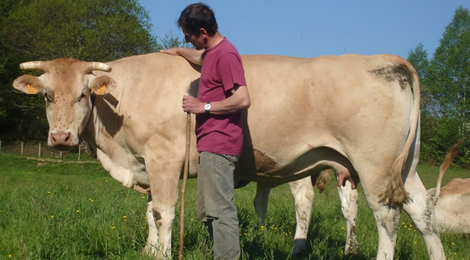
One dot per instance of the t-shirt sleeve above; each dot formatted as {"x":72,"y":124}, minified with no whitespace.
{"x":231,"y":71}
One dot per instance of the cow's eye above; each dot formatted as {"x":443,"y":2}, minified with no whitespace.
{"x":81,"y":97}
{"x":47,"y":98}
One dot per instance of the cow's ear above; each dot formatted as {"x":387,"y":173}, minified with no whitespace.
{"x":28,"y":84}
{"x":102,"y":85}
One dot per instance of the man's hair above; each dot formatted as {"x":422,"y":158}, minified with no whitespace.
{"x":197,"y":16}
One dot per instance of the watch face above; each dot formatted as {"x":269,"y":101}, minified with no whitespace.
{"x":207,"y":107}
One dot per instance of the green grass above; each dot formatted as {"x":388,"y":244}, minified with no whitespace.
{"x":75,"y":210}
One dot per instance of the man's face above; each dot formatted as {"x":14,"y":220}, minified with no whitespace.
{"x":198,"y":42}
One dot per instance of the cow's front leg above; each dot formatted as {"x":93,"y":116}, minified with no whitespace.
{"x":349,"y":199}
{"x":152,"y":239}
{"x":164,"y":190}
{"x":302,"y":191}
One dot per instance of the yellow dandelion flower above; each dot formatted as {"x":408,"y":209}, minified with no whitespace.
{"x":113,"y":227}
{"x":78,"y":211}
{"x":453,"y":243}
{"x":342,"y":228}
{"x":9,"y":256}
{"x":48,"y":192}
{"x":52,"y":216}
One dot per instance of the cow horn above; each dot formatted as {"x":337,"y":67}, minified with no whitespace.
{"x":99,"y":66}
{"x":33,"y":65}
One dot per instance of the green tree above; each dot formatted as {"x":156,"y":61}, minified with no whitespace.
{"x":92,"y":30}
{"x":448,"y":80}
{"x":84,"y":29}
{"x":449,"y":70}
{"x":419,"y":58}
{"x":171,"y":41}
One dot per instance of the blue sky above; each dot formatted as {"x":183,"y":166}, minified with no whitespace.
{"x":309,"y":28}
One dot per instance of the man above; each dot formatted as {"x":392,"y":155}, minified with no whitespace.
{"x":221,"y":98}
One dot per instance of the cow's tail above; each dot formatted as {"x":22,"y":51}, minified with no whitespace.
{"x":451,"y":154}
{"x":395,"y":193}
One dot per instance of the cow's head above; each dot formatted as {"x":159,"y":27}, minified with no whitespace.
{"x":66,"y":85}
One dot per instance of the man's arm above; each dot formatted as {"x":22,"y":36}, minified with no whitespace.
{"x":192,"y":55}
{"x":239,"y":100}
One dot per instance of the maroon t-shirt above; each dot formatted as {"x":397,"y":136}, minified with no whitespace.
{"x":222,"y":69}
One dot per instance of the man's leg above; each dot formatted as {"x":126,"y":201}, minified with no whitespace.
{"x":216,"y":203}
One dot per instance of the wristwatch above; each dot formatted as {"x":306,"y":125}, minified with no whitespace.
{"x":207,"y":107}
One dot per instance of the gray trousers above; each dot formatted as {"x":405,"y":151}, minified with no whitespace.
{"x":215,"y":203}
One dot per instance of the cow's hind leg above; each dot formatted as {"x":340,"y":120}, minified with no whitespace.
{"x":421,"y":211}
{"x":349,"y":198}
{"x":387,"y":220}
{"x":302,"y":191}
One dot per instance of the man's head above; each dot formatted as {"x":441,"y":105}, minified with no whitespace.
{"x":196,"y":20}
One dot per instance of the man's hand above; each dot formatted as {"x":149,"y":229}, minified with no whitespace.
{"x":193,"y":105}
{"x":192,"y":55}
{"x":171,"y":51}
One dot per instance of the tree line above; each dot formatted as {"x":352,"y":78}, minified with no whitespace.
{"x":445,"y":85}
{"x":105,"y":30}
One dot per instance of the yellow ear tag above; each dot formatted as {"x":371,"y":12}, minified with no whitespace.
{"x":31,"y":90}
{"x":101,"y":90}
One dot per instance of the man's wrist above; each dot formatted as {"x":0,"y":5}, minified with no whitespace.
{"x":207,"y":108}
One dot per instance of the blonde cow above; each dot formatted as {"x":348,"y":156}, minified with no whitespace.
{"x":355,"y":114}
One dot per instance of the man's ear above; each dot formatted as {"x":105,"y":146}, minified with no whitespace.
{"x":203,"y":33}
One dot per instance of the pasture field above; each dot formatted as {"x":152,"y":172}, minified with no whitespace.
{"x":66,"y":209}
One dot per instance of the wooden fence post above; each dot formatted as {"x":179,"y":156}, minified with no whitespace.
{"x":39,"y":155}
{"x":22,"y":144}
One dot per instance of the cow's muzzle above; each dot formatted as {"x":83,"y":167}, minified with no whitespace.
{"x":61,"y":139}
